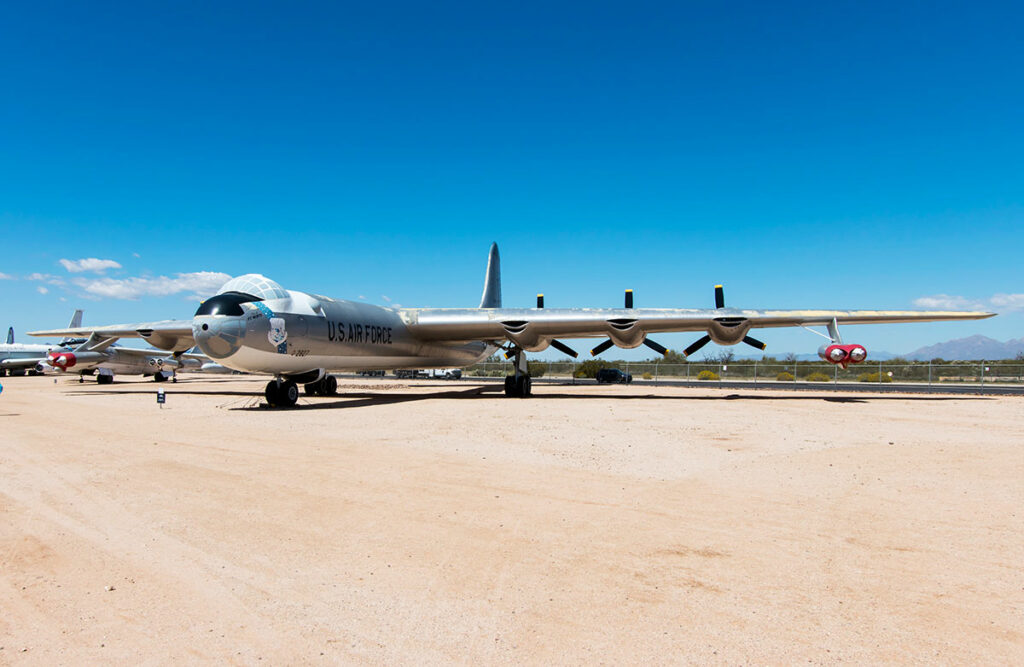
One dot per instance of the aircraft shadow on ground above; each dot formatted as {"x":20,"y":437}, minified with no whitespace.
{"x":365,"y":399}
{"x":362,"y":399}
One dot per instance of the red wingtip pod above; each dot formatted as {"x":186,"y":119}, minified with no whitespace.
{"x":843,"y":355}
{"x":62,"y":360}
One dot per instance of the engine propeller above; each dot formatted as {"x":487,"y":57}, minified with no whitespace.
{"x":727,"y":322}
{"x":604,"y":345}
{"x":557,"y":344}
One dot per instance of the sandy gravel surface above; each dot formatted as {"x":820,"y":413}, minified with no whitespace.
{"x":429,"y":522}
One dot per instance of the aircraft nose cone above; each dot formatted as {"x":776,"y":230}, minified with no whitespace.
{"x":218,"y":336}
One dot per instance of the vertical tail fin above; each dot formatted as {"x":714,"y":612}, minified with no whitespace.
{"x":10,"y":335}
{"x":492,"y":283}
{"x":76,"y":322}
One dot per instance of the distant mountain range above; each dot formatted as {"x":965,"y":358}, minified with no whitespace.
{"x":972,"y":347}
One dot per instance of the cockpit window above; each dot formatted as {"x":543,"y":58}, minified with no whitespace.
{"x":228,"y":303}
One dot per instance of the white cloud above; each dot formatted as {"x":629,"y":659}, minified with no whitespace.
{"x":42,"y":290}
{"x":386,"y":297}
{"x":201,"y":284}
{"x":997,"y":302}
{"x":5,"y":276}
{"x":136,"y":255}
{"x":1008,"y":301}
{"x":89,"y":264}
{"x":948,"y":302}
{"x":47,"y":278}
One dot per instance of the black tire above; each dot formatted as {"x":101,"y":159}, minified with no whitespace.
{"x":271,"y":393}
{"x":104,"y":379}
{"x":289,"y":395}
{"x":330,"y":387}
{"x":510,"y":386}
{"x":313,"y":388}
{"x":524,"y":386}
{"x":159,"y":377}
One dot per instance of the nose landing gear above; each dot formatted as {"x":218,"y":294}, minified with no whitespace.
{"x":281,"y":393}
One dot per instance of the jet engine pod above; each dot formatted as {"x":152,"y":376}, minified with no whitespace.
{"x":62,"y":360}
{"x":843,"y":355}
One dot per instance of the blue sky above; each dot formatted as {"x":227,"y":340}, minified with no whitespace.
{"x":841,"y":155}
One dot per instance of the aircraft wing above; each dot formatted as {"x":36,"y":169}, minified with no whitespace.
{"x":437,"y":324}
{"x":170,"y":335}
{"x":22,"y":363}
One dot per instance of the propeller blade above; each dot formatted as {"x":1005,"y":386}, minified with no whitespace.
{"x":540,"y":300}
{"x":563,"y":348}
{"x":753,"y":342}
{"x":660,"y":349}
{"x":719,"y":297}
{"x":629,"y":298}
{"x":699,"y":343}
{"x":601,"y":347}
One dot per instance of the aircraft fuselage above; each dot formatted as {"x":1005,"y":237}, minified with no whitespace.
{"x":305,"y":332}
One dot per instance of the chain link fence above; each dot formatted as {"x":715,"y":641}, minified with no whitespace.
{"x":879,"y":372}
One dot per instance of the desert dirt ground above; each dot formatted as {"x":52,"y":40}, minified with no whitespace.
{"x":432,"y":522}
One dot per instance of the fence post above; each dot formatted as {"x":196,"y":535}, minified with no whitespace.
{"x":929,"y":372}
{"x":687,"y":375}
{"x":983,"y":376}
{"x":655,"y":373}
{"x":879,"y":371}
{"x":755,"y":371}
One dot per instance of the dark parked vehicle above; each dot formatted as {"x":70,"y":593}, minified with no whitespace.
{"x":612,"y":375}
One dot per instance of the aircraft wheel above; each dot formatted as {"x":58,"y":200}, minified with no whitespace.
{"x":510,"y":386}
{"x":524,"y":386}
{"x":271,"y":393}
{"x":330,"y":385}
{"x":104,"y":379}
{"x":159,"y":377}
{"x":289,"y":394}
{"x":313,"y":389}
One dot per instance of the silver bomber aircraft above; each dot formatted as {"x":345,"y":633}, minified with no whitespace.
{"x":255,"y":325}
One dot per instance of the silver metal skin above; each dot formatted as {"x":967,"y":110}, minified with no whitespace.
{"x":319,"y":333}
{"x":255,"y":325}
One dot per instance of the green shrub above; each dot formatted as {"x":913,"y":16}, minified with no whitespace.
{"x":785,"y":376}
{"x":818,"y":376}
{"x":590,"y":367}
{"x":647,"y":376}
{"x":873,"y":377}
{"x":707,"y":375}
{"x":536,"y":369}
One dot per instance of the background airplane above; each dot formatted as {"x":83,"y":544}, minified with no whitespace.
{"x":22,"y":358}
{"x":253,"y":324}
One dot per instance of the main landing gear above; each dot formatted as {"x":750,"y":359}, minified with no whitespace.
{"x":325,"y":386}
{"x":519,"y":385}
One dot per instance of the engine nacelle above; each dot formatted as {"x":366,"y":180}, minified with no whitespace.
{"x":62,"y":360}
{"x":843,"y":355}
{"x":728,"y":330}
